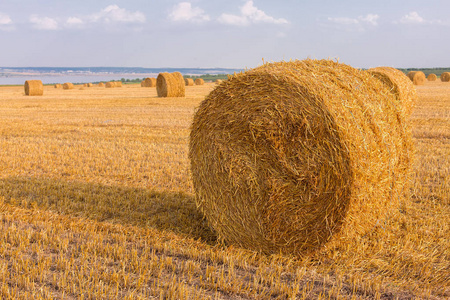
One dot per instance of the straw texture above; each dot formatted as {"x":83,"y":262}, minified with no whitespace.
{"x":399,"y":84}
{"x":445,"y":77}
{"x":68,"y":86}
{"x":170,"y":85}
{"x":33,"y":88}
{"x":292,"y":156}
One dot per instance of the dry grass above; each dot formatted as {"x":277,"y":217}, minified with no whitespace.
{"x":98,"y":203}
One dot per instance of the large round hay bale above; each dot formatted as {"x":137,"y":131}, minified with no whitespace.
{"x":399,"y":84}
{"x":199,"y":81}
{"x":170,"y":85}
{"x":417,"y":77}
{"x":432,"y":77}
{"x":445,"y":77}
{"x":34,"y":88}
{"x":149,"y":82}
{"x":58,"y":86}
{"x":110,"y":84}
{"x":68,"y":86}
{"x":189,"y":81}
{"x":308,"y":155}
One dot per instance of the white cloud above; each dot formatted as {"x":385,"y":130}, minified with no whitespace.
{"x":44,"y":23}
{"x":357,"y":24}
{"x":114,"y":13}
{"x":412,"y":18}
{"x":5,"y":19}
{"x":6,"y":23}
{"x":250,"y":14}
{"x":184,"y":11}
{"x":74,"y":22}
{"x":344,"y":21}
{"x":370,"y":19}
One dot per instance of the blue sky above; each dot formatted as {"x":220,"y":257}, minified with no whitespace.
{"x":223,"y":33}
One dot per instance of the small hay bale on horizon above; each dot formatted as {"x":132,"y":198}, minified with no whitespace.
{"x":57,"y":86}
{"x":101,"y":84}
{"x":445,"y":77}
{"x":34,"y":88}
{"x":149,"y":82}
{"x":219,"y":81}
{"x":170,"y":85}
{"x":199,"y":81}
{"x":68,"y":86}
{"x":311,"y":155}
{"x":110,"y":84}
{"x":117,"y":83}
{"x":399,"y":84}
{"x":189,"y":81}
{"x":417,"y":77}
{"x":89,"y":84}
{"x":432,"y":77}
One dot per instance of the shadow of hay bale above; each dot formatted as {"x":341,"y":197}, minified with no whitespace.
{"x":169,"y":211}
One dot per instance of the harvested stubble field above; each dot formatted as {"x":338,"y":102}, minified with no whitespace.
{"x":96,"y":202}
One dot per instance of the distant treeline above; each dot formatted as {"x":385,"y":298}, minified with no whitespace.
{"x":427,"y":71}
{"x":205,"y":77}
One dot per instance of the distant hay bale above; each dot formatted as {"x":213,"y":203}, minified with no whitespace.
{"x":189,"y":81}
{"x":68,"y":86}
{"x":219,"y":81}
{"x":142,"y":83}
{"x":417,"y":77}
{"x":89,"y":85}
{"x":110,"y":84}
{"x":58,"y":86}
{"x":292,"y":156}
{"x":101,"y":84}
{"x":199,"y":81}
{"x":149,"y":82}
{"x":432,"y":77}
{"x":445,"y":77}
{"x":118,"y":84}
{"x":84,"y":84}
{"x":34,"y":88}
{"x":170,"y":85}
{"x":399,"y":84}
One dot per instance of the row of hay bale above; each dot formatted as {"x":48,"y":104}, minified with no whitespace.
{"x":151,"y":82}
{"x":291,"y":157}
{"x":419,"y":78}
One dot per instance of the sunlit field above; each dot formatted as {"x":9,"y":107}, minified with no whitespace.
{"x":96,"y":202}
